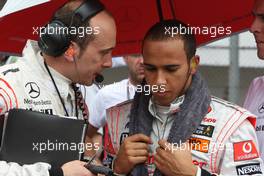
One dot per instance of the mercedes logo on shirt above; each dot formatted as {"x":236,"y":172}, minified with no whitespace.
{"x":261,"y":108}
{"x":32,"y":89}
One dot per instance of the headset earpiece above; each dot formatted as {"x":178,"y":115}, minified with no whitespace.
{"x":54,"y":41}
{"x":69,"y":52}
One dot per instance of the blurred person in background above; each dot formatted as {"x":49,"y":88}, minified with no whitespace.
{"x":254,"y":100}
{"x":4,"y":59}
{"x":113,"y":94}
{"x":89,"y":94}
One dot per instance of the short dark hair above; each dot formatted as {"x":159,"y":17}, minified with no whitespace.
{"x":158,"y":32}
{"x":66,"y":15}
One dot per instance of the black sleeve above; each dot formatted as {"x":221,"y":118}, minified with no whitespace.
{"x":55,"y":171}
{"x":205,"y":173}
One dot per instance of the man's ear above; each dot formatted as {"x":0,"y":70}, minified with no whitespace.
{"x":195,"y":63}
{"x":72,"y":52}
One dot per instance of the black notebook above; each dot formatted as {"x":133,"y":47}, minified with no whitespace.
{"x":30,"y":137}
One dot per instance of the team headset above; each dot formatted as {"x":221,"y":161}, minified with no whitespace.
{"x":55,"y":44}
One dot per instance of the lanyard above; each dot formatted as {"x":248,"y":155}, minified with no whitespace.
{"x":57,"y":90}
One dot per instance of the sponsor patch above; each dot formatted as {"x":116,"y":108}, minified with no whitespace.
{"x":260,"y":128}
{"x":248,"y":169}
{"x":201,"y":164}
{"x":245,"y":150}
{"x":200,"y":145}
{"x":209,"y":120}
{"x":205,"y":130}
{"x":45,"y":111}
{"x":14,"y":70}
{"x":33,"y":89}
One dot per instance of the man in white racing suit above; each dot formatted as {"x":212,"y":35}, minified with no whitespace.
{"x":254,"y":100}
{"x":38,"y":80}
{"x":216,"y":139}
{"x":179,"y":129}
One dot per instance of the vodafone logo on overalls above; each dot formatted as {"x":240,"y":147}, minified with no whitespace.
{"x":247,"y":147}
{"x":245,"y":150}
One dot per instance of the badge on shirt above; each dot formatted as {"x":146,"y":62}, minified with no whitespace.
{"x":249,"y":169}
{"x":200,"y":145}
{"x":205,"y":130}
{"x":245,"y":150}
